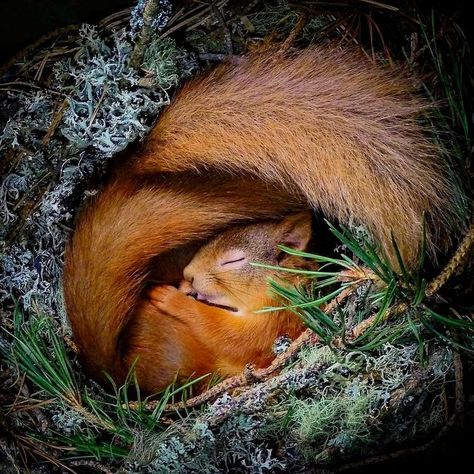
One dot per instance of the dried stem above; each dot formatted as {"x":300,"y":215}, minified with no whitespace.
{"x":225,"y":30}
{"x":149,"y":14}
{"x":55,"y":121}
{"x":393,"y":311}
{"x":456,"y":262}
{"x":459,"y":391}
{"x":94,"y":465}
{"x":295,"y":32}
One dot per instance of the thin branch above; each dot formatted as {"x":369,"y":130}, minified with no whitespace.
{"x":94,"y":465}
{"x":55,"y":121}
{"x":225,"y":30}
{"x":459,"y":390}
{"x":456,"y":262}
{"x":295,"y":32}
{"x":149,"y":14}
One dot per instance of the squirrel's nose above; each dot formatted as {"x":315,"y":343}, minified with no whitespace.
{"x":187,"y":287}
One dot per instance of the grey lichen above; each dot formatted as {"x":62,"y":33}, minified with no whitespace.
{"x":162,"y":17}
{"x":105,"y":109}
{"x":281,"y":345}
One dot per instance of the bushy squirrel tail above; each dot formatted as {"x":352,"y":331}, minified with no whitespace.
{"x":346,"y":133}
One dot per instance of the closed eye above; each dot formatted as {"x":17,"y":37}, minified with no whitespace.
{"x":228,"y":262}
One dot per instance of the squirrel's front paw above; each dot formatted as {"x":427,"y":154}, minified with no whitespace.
{"x":168,"y":299}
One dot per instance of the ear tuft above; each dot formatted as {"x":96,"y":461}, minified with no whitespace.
{"x":295,"y":230}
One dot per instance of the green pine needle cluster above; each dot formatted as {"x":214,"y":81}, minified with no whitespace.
{"x":394,"y":305}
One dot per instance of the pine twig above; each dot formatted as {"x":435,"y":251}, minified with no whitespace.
{"x":402,"y":453}
{"x":457,"y":260}
{"x":295,"y":32}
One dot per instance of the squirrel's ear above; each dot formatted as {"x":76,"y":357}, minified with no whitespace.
{"x":295,"y":230}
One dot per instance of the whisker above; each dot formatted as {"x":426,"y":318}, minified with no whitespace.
{"x":233,"y":293}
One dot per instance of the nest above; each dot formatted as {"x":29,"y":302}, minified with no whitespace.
{"x":70,"y":103}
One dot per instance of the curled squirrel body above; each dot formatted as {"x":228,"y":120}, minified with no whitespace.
{"x":320,"y":128}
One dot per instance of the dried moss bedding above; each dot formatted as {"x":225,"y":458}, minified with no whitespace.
{"x":67,"y":107}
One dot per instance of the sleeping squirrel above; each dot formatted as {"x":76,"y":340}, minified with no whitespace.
{"x":217,"y":329}
{"x":321,"y":128}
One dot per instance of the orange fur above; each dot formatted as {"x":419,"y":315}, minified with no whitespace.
{"x":328,"y":123}
{"x":324,"y":126}
{"x":224,"y":343}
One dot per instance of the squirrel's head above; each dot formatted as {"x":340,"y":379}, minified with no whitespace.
{"x":221,"y":272}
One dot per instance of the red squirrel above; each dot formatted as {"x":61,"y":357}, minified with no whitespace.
{"x":321,"y":128}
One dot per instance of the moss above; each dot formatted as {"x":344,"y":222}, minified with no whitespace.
{"x":337,"y":422}
{"x":319,"y":354}
{"x":309,"y":416}
{"x":279,"y":18}
{"x":167,"y":63}
{"x":205,"y":42}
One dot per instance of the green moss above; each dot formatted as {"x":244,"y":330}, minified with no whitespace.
{"x":281,"y":19}
{"x":206,"y":42}
{"x":161,"y":62}
{"x":336,"y":421}
{"x":319,"y":355}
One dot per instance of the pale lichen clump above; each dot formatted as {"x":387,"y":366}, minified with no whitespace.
{"x":97,"y":107}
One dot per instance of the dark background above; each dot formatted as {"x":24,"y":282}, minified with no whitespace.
{"x":24,"y":21}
